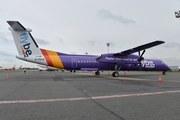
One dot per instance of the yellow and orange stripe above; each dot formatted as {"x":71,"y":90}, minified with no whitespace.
{"x":52,"y":58}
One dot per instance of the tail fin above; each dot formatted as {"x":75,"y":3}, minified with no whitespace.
{"x":24,"y":41}
{"x":28,"y":49}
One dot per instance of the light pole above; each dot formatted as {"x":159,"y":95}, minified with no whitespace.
{"x":177,"y":14}
{"x":108,"y":44}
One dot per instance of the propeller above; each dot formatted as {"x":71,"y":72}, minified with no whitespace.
{"x":141,"y":58}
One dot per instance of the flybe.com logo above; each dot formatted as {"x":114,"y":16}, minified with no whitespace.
{"x":25,"y":47}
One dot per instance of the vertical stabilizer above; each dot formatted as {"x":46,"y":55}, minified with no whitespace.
{"x":28,"y":49}
{"x":24,"y":41}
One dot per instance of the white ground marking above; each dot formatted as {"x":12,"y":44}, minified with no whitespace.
{"x":88,"y":98}
{"x":125,"y":78}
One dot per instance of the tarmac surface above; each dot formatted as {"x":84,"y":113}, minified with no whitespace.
{"x":83,"y":96}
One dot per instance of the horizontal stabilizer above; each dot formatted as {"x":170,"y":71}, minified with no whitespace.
{"x":16,"y":26}
{"x":139,"y":48}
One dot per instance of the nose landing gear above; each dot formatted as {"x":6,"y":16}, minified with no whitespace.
{"x":164,"y":72}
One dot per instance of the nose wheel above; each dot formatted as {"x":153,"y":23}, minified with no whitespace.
{"x":164,"y":73}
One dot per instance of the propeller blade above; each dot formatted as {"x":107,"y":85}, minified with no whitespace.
{"x":141,"y":58}
{"x":143,"y":53}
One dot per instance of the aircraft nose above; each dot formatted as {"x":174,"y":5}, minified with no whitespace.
{"x":166,"y":67}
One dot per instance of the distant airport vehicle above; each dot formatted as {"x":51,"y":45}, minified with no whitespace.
{"x":13,"y":68}
{"x":29,"y":51}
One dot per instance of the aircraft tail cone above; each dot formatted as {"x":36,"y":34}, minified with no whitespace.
{"x":7,"y":76}
{"x":160,"y":78}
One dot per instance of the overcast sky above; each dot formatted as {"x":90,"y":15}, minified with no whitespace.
{"x":80,"y":26}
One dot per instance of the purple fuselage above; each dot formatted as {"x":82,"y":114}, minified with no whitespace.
{"x":111,"y":62}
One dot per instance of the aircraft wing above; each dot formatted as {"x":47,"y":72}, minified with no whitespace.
{"x":139,"y":48}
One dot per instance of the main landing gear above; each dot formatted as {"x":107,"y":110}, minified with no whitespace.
{"x":97,"y":73}
{"x":116,"y":73}
{"x":73,"y":71}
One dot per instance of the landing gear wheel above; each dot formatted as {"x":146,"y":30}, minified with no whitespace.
{"x":97,"y":73}
{"x":115,"y":74}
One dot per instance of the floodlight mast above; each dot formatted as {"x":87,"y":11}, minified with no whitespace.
{"x":177,"y":14}
{"x":108,"y":44}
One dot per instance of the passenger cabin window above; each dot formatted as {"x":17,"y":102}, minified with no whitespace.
{"x":86,"y":61}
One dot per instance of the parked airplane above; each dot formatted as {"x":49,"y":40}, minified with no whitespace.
{"x":13,"y":68}
{"x":29,"y":51}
